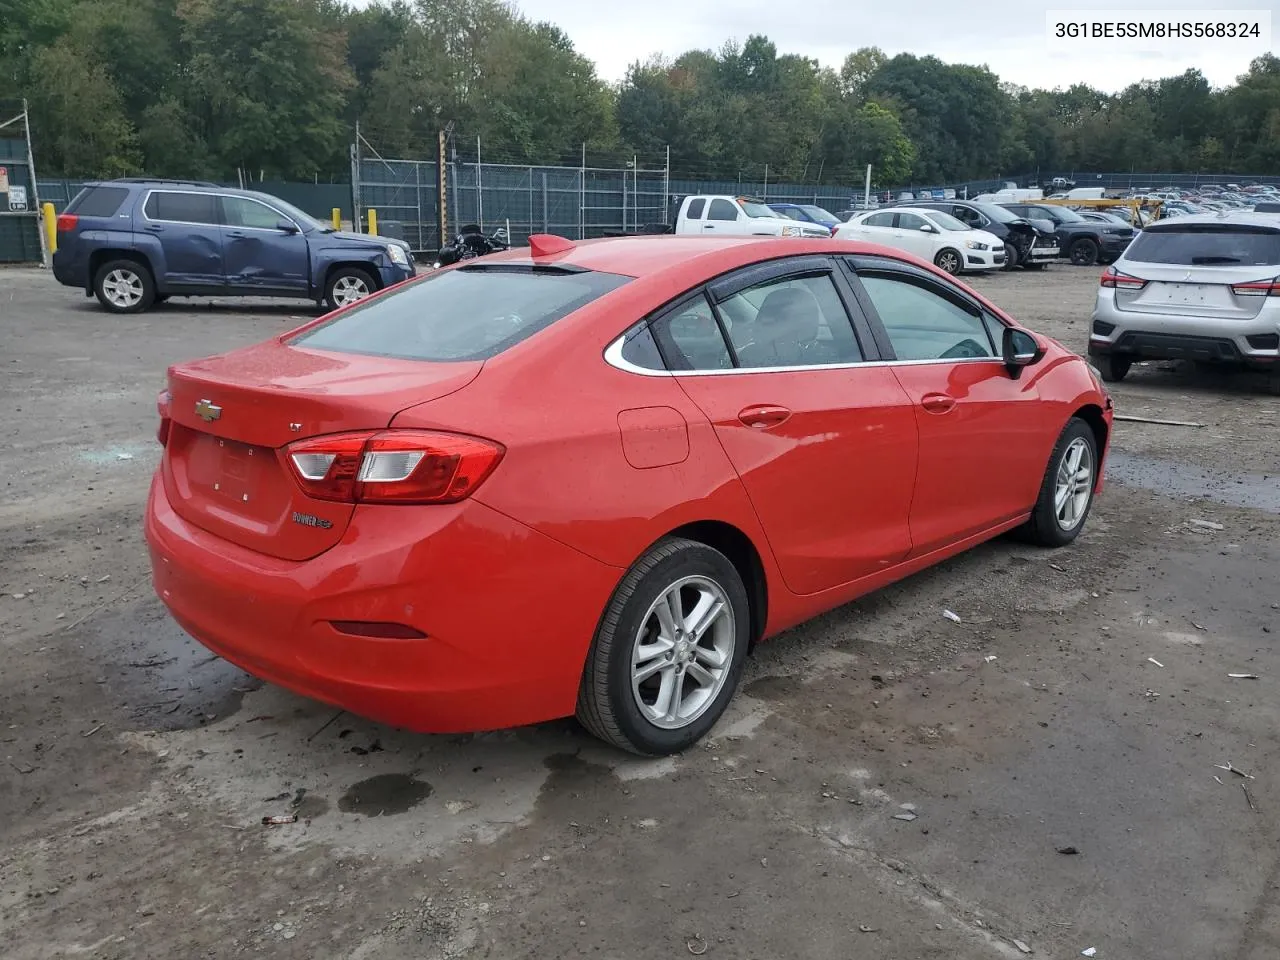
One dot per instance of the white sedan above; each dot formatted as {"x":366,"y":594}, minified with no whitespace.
{"x":950,"y":244}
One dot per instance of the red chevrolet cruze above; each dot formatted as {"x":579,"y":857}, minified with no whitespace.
{"x":587,"y":477}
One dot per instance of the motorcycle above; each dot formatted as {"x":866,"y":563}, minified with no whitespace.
{"x":470,"y":243}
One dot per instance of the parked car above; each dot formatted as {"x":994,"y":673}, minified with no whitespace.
{"x":739,"y":217}
{"x":136,"y":242}
{"x":1024,"y":245}
{"x":949,"y":244}
{"x":1085,"y":242}
{"x":1202,"y":288}
{"x":806,"y":213}
{"x":772,"y":429}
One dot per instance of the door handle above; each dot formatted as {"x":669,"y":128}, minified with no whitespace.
{"x":155,"y":227}
{"x":235,"y":233}
{"x":764,"y":416}
{"x":938,"y":403}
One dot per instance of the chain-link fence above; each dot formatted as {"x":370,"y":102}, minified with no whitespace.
{"x":21,"y":239}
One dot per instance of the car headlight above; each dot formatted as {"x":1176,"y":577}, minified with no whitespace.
{"x":790,"y":232}
{"x":976,"y":245}
{"x":397,"y":254}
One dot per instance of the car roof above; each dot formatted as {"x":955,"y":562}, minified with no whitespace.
{"x":191,"y":186}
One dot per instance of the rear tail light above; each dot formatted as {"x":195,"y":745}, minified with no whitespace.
{"x":162,"y":407}
{"x":67,"y":222}
{"x":1111,"y":277}
{"x":393,"y":466}
{"x":1258,"y":288}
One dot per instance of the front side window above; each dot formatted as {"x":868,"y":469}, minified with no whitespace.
{"x":182,"y":207}
{"x":467,"y":313}
{"x":792,"y":322}
{"x":924,"y":325}
{"x":242,"y":212}
{"x":910,"y":221}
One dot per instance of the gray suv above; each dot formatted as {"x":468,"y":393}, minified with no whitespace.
{"x":1200,"y":288}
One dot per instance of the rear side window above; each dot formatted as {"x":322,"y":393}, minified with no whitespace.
{"x":695,"y":208}
{"x":1207,"y":244}
{"x":182,"y":207}
{"x":98,"y":201}
{"x":469,"y":313}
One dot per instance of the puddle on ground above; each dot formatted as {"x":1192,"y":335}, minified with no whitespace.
{"x":1253,"y":491}
{"x":385,"y":794}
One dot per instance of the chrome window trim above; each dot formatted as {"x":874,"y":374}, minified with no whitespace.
{"x":216,"y":206}
{"x":613,"y":357}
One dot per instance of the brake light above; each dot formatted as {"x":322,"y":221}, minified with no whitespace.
{"x":67,"y":222}
{"x":1111,"y":277}
{"x":162,"y":407}
{"x":393,"y":466}
{"x":1258,"y":288}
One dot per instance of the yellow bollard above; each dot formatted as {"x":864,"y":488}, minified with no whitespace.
{"x":337,"y":218}
{"x":50,"y":226}
{"x":373,"y":223}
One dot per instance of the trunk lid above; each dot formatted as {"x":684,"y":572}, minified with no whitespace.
{"x":225,"y":469}
{"x":1193,"y":291}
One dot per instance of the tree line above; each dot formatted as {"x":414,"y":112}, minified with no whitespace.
{"x":274,"y":88}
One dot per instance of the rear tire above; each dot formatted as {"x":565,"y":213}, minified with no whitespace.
{"x":1113,"y":368}
{"x":124,"y":286}
{"x":1066,"y":493}
{"x":949,"y":261}
{"x":1273,"y":383}
{"x":652,"y":645}
{"x":1084,"y":252}
{"x":348,"y":285}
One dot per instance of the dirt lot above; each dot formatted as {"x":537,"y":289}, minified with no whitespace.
{"x":1083,"y":703}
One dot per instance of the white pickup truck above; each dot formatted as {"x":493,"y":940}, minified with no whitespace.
{"x":739,"y":217}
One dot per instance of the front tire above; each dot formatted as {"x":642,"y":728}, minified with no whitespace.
{"x":347,"y":285}
{"x":949,"y":261}
{"x":1010,"y":256}
{"x":1066,"y":493}
{"x":124,"y":286}
{"x":669,"y":650}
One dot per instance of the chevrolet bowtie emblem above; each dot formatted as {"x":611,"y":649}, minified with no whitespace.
{"x":207,"y":410}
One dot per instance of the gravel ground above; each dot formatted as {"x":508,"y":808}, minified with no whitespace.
{"x":1082,"y":703}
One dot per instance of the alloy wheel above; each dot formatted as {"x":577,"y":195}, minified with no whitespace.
{"x":1073,"y":485}
{"x":683,"y":652}
{"x":123,"y":289}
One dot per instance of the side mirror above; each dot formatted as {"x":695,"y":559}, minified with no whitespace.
{"x":1019,"y":349}
{"x":286,"y":226}
{"x":928,"y":229}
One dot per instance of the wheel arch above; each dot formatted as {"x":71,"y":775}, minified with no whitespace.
{"x":106,"y":254}
{"x":1092,"y":415}
{"x":367,"y":267}
{"x":744,"y":556}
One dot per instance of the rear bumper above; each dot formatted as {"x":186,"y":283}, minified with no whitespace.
{"x":68,"y":272}
{"x":1155,"y":336}
{"x":509,"y":614}
{"x":1113,"y":246}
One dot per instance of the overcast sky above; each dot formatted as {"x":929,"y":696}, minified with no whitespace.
{"x":1009,"y":36}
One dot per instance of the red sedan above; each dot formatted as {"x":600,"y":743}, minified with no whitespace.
{"x":588,"y":477}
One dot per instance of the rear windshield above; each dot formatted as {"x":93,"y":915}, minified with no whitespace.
{"x":469,"y":313}
{"x":97,"y":201}
{"x":1207,"y":244}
